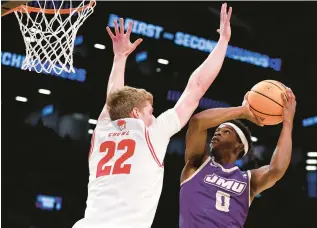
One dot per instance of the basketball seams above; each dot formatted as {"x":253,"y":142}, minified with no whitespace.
{"x":267,"y":97}
{"x":263,"y":112}
{"x":275,"y":85}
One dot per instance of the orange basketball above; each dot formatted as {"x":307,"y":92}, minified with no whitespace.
{"x":266,"y":102}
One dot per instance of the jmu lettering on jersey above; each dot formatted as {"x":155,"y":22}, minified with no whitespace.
{"x":230,"y":185}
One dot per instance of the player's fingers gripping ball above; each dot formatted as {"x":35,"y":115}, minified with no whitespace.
{"x":266,"y":101}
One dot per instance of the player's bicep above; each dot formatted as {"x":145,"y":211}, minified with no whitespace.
{"x":166,"y":125}
{"x":195,"y":143}
{"x":262,"y":179}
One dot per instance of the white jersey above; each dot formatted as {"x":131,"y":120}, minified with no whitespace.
{"x":126,"y":171}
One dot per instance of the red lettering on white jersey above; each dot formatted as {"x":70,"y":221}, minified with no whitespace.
{"x":113,"y":134}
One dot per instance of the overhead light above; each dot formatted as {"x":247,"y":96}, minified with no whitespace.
{"x":21,"y":99}
{"x":311,"y":168}
{"x":312,"y":154}
{"x":162,"y":61}
{"x":311,"y":161}
{"x":92,"y":121}
{"x":78,"y":40}
{"x":47,"y":110}
{"x":254,"y":139}
{"x":100,"y":46}
{"x":141,"y":56}
{"x":309,"y":121}
{"x":158,"y":69}
{"x":90,"y":131}
{"x":45,"y":91}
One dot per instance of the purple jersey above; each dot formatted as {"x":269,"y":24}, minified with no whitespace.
{"x":215,"y":196}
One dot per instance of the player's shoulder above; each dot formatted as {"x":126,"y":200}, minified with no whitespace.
{"x":165,"y":117}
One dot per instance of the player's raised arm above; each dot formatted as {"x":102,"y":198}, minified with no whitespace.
{"x":197,"y":131}
{"x":122,"y":47}
{"x":266,"y":176}
{"x":205,"y":74}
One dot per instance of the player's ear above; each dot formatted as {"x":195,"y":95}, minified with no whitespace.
{"x":240,"y":147}
{"x":134,"y":113}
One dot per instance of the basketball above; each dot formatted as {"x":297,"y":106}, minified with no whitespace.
{"x":266,"y":102}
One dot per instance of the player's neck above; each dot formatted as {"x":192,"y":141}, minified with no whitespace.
{"x":225,"y":160}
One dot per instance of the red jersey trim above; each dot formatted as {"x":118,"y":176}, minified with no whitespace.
{"x":148,"y":141}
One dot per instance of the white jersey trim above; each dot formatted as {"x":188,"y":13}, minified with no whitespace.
{"x":197,"y":171}
{"x":249,"y":177}
{"x":224,"y":169}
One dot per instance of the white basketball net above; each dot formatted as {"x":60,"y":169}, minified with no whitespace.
{"x":50,"y":38}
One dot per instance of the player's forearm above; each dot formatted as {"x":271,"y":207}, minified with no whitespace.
{"x":198,"y":125}
{"x":282,"y":155}
{"x":206,"y":73}
{"x":199,"y":82}
{"x":116,"y":78}
{"x":213,"y":117}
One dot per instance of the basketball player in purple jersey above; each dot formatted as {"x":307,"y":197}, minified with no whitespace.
{"x":215,"y":193}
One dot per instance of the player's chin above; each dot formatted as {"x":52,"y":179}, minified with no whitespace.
{"x":216,"y":150}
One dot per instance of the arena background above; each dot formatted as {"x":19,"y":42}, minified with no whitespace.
{"x":45,"y":140}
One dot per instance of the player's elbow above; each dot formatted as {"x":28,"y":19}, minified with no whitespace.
{"x":196,"y":87}
{"x":275,"y":174}
{"x":195,"y":122}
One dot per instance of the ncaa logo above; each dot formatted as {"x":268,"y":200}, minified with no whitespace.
{"x":122,"y":124}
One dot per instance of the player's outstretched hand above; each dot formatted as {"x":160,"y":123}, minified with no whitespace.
{"x":289,"y":106}
{"x":247,"y":114}
{"x":121,"y":41}
{"x":225,"y":28}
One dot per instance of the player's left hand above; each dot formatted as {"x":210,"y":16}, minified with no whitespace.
{"x":289,"y":106}
{"x":122,"y":45}
{"x":247,"y":114}
{"x":225,"y":28}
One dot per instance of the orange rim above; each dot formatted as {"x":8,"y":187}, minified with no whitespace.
{"x":30,"y":9}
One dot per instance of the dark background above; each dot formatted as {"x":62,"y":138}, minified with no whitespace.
{"x":48,"y":155}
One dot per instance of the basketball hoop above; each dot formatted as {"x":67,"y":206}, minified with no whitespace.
{"x":49,"y":30}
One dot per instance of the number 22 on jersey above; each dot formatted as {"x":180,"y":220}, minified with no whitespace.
{"x":110,"y":147}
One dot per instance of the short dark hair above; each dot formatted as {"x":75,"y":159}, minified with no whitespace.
{"x":247,"y":134}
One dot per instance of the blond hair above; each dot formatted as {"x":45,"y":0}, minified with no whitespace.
{"x":121,"y":102}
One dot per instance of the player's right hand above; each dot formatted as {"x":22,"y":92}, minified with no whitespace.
{"x":122,"y":45}
{"x":247,"y":114}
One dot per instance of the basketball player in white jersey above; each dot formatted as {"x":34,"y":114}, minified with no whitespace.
{"x":129,"y":144}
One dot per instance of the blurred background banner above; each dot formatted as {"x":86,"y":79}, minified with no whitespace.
{"x":48,"y":119}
